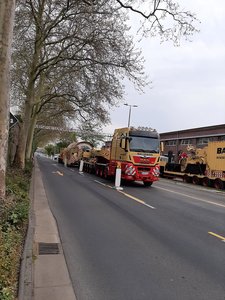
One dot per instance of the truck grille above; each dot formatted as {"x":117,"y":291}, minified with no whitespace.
{"x":142,"y":169}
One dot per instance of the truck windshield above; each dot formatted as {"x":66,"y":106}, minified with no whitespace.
{"x":144,"y":144}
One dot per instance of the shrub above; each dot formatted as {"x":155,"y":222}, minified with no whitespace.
{"x":13,"y":225}
{"x":10,"y":251}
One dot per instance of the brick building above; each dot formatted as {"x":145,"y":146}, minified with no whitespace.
{"x":176,"y":141}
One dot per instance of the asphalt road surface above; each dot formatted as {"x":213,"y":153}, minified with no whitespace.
{"x":166,"y":242}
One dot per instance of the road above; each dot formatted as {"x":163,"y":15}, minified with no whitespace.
{"x":165,"y":242}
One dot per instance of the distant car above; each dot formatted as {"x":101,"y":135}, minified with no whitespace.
{"x":56,"y":156}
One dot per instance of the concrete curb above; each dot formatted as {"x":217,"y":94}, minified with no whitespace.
{"x":25,"y":288}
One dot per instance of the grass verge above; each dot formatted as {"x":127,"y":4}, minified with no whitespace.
{"x":14,"y":213}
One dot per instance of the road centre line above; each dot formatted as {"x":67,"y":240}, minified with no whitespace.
{"x":217,"y":235}
{"x":196,"y":198}
{"x":127,"y":195}
{"x":61,"y":174}
{"x":57,"y":172}
{"x":102,"y":183}
{"x":136,"y":199}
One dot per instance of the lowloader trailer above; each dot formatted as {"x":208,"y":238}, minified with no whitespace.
{"x":205,"y":166}
{"x":71,"y":155}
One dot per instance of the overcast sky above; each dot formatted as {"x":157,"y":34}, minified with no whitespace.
{"x":188,"y":82}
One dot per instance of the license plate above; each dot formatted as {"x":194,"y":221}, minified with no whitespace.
{"x":144,"y":173}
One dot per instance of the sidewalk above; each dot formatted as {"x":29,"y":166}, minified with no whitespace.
{"x":44,"y":274}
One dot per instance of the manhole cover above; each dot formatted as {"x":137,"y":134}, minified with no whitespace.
{"x":48,"y":248}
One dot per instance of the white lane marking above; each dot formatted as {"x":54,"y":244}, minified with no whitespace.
{"x":192,"y":197}
{"x":101,"y":183}
{"x":152,"y":207}
{"x":137,"y":200}
{"x":127,"y":195}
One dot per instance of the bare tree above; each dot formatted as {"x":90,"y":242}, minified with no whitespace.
{"x":163,"y":18}
{"x":79,"y":51}
{"x":79,"y":54}
{"x":6,"y":29}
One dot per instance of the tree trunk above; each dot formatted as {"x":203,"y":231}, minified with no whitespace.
{"x":7,"y":9}
{"x":31,"y":137}
{"x":23,"y":135}
{"x":20,"y":158}
{"x":33,"y":123}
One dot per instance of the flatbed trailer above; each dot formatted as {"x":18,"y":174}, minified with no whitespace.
{"x":207,"y":181}
{"x":205,"y":166}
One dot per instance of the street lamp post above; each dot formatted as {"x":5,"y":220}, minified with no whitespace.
{"x":130,"y":105}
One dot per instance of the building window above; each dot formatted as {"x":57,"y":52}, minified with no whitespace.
{"x":204,"y":141}
{"x":170,"y":143}
{"x":221,"y":138}
{"x":185,"y":142}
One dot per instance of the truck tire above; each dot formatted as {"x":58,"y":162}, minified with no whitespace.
{"x":195,"y":180}
{"x":218,"y":184}
{"x":101,"y":172}
{"x":105,"y":173}
{"x":147,"y":183}
{"x":187,"y":179}
{"x":97,"y":171}
{"x":206,"y":182}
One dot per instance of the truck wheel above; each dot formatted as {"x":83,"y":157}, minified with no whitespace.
{"x":147,"y":183}
{"x":195,"y":180}
{"x":206,"y":182}
{"x":105,"y":173}
{"x":161,"y":171}
{"x":97,"y":172}
{"x":186,"y":179}
{"x":101,"y":172}
{"x":218,"y":184}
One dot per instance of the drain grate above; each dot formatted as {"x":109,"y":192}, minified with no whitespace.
{"x":48,"y":248}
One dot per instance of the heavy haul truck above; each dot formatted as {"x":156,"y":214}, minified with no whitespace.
{"x":134,"y":150}
{"x":205,"y":166}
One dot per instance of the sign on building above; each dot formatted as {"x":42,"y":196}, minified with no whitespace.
{"x":12,"y":120}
